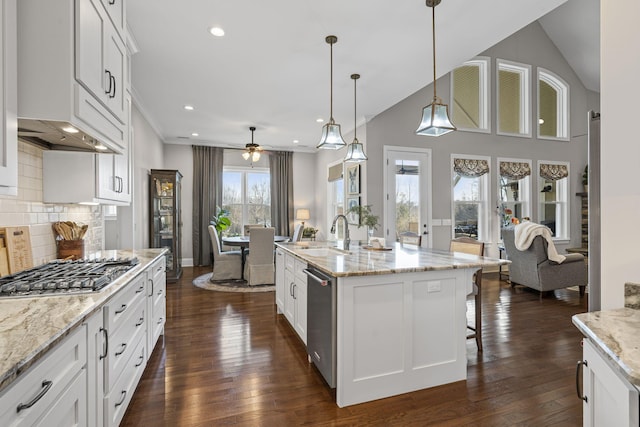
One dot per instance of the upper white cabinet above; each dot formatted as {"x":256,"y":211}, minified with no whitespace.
{"x":8,"y":96}
{"x":72,"y":64}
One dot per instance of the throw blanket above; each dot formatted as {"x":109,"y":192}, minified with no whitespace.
{"x":524,"y":234}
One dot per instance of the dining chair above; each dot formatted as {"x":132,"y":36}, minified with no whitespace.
{"x":471,"y":246}
{"x":297,"y":233}
{"x":410,"y":238}
{"x":226,"y":265}
{"x":247,"y":228}
{"x":259,"y":266}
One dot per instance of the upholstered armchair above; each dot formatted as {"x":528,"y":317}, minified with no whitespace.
{"x":226,"y":265}
{"x":532,"y":267}
{"x":259,"y":267}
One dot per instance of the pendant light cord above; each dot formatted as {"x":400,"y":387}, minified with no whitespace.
{"x":331,"y":84}
{"x":433,"y":29}
{"x":355,"y":123}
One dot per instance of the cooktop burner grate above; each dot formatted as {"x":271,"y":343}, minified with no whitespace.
{"x":65,"y":277}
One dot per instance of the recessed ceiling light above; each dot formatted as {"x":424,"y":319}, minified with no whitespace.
{"x":195,"y":134}
{"x":189,"y":107}
{"x":295,"y":141}
{"x":70,"y":129}
{"x":320,"y":120}
{"x":216,"y":31}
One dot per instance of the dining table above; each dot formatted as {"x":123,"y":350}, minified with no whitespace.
{"x":243,"y":243}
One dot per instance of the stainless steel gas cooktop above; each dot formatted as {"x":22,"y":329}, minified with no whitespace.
{"x":65,"y":277}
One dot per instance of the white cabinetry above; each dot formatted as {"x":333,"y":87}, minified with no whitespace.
{"x":608,"y":398}
{"x":8,"y":98}
{"x":156,"y":302}
{"x":72,"y":65}
{"x":291,"y":289}
{"x":53,"y":392}
{"x":97,"y":341}
{"x":280,"y":281}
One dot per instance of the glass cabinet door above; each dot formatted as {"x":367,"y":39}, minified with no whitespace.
{"x":165,"y":221}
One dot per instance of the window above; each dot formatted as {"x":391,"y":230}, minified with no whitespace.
{"x":514,"y":188}
{"x":553,"y":187}
{"x":553,"y":106}
{"x":246,"y":193}
{"x":470,"y":95}
{"x":514,"y":98}
{"x":470,"y":196}
{"x":335,"y":195}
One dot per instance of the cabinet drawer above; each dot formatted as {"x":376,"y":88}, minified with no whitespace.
{"x":289,"y":262}
{"x":45,"y":382}
{"x":118,"y":308}
{"x":157,"y":326}
{"x":70,"y":409}
{"x":116,"y":402}
{"x":122,"y":342}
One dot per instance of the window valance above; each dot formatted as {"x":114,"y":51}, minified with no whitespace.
{"x":553,"y":172}
{"x":335,"y":172}
{"x":515,"y":170}
{"x":470,"y":168}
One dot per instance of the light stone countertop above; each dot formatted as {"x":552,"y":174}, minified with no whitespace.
{"x":358,"y":261}
{"x":31,"y":326}
{"x":615,"y":333}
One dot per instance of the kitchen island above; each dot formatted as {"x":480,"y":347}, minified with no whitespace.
{"x":400,"y":314}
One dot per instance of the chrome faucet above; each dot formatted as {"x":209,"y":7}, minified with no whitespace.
{"x":347,"y":240}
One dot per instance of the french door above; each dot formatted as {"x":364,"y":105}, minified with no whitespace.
{"x":407,"y":193}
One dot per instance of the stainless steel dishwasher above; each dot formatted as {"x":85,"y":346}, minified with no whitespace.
{"x":321,"y":323}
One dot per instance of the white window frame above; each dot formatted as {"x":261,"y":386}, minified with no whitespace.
{"x":243,"y":183}
{"x":484,"y":232}
{"x":563,"y":207}
{"x":524,"y":188}
{"x":484,"y":98}
{"x":562,"y":107}
{"x":525,"y":96}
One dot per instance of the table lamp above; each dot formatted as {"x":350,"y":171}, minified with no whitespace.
{"x":302,"y":215}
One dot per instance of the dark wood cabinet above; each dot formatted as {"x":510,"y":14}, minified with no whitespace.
{"x":165,"y":217}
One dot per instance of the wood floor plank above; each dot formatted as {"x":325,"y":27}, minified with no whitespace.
{"x":229,"y":359}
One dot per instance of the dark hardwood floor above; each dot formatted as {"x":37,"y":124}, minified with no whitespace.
{"x":228,"y":359}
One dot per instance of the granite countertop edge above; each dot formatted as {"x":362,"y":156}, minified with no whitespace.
{"x":17,"y":315}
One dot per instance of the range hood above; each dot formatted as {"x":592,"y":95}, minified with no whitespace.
{"x":54,"y":135}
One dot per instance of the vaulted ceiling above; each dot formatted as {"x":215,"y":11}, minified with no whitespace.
{"x":271,"y":69}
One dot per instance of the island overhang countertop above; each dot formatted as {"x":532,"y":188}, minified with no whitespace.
{"x":358,"y":261}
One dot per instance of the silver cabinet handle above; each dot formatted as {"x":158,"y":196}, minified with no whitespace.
{"x":106,"y":342}
{"x":124,"y":396}
{"x":581,"y":396}
{"x":122,"y":309}
{"x":46,"y":385}
{"x":124,"y":347}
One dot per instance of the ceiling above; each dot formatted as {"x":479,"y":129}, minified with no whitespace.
{"x":272,"y":68}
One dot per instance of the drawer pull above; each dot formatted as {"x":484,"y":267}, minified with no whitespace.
{"x":160,"y":320}
{"x":46,"y":385}
{"x":124,"y":396}
{"x":141,"y":360}
{"x":122,"y":309}
{"x":106,"y":343}
{"x":140,"y":289}
{"x":151,"y":294}
{"x":580,"y":364}
{"x":124,"y":347}
{"x":140,"y":322}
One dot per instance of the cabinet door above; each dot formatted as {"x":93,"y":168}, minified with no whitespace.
{"x":8,"y":95}
{"x":116,"y":11}
{"x":114,"y":62}
{"x":96,"y":355}
{"x":289,"y":301}
{"x":301,"y":309}
{"x":610,"y":399}
{"x":90,"y":66}
{"x":280,"y":286}
{"x":106,"y":181}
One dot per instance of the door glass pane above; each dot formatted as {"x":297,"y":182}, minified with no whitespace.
{"x":407,"y":196}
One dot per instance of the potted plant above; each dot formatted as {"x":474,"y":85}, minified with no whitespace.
{"x":221,"y":220}
{"x":585,"y":179}
{"x":365,"y":218}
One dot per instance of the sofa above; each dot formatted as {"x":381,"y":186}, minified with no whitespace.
{"x":532,"y":267}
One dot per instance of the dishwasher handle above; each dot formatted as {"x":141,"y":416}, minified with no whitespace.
{"x":312,"y":275}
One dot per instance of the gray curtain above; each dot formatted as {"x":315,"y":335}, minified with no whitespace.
{"x":281,"y":170}
{"x":207,"y":194}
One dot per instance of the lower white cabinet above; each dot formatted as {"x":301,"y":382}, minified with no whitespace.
{"x":8,"y":99}
{"x":608,"y":398}
{"x":291,"y":292}
{"x":52,"y":390}
{"x":156,"y":302}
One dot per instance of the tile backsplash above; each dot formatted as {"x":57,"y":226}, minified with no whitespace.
{"x":27,"y":208}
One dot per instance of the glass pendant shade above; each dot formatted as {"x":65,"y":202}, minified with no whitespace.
{"x":435,"y":120}
{"x":355,"y":152}
{"x":331,"y":138}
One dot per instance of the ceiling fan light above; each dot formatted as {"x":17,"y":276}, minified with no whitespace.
{"x":435,"y":120}
{"x":246,"y":155}
{"x":331,"y":138}
{"x":255,"y":156}
{"x":355,"y":152}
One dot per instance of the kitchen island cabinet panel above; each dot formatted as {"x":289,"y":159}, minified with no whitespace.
{"x":8,"y":96}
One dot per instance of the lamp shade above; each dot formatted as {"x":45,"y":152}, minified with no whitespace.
{"x":355,"y":152}
{"x":302,"y":214}
{"x":331,"y":138}
{"x":435,"y":120}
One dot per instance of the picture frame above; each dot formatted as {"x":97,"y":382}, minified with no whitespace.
{"x":353,"y":179}
{"x":352,"y":217}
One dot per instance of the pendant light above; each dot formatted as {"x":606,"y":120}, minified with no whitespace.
{"x":435,"y":116}
{"x":252,"y":151}
{"x":355,"y":150}
{"x":331,"y":137}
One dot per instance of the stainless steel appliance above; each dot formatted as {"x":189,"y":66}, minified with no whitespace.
{"x":321,"y":323}
{"x":65,"y":277}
